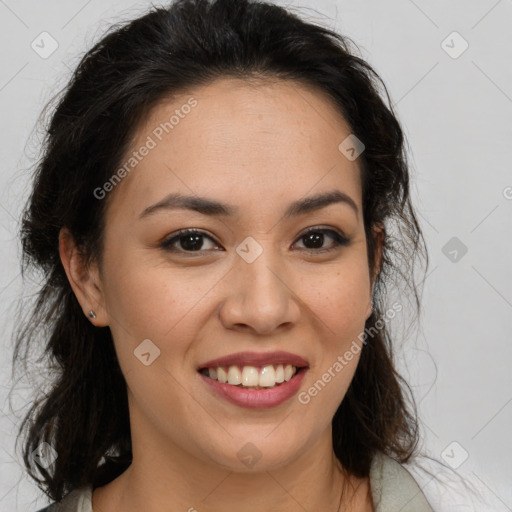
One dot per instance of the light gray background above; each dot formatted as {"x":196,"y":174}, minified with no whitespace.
{"x":456,"y":113}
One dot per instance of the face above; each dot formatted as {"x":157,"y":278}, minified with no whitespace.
{"x":260,"y":277}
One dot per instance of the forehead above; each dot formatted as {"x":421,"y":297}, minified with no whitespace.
{"x":235,"y":138}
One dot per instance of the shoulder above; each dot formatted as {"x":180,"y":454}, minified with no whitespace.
{"x":79,"y":500}
{"x":394,"y":488}
{"x":423,"y":485}
{"x":447,"y":489}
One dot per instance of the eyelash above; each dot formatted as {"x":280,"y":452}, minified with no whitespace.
{"x":339,"y":240}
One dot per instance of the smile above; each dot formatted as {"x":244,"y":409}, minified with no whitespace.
{"x":252,"y":377}
{"x":254,"y":397}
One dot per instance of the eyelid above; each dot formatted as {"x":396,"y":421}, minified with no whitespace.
{"x":323,"y":228}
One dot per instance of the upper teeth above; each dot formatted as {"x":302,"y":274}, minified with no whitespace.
{"x":250,"y":376}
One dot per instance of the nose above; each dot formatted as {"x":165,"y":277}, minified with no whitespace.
{"x":259,"y":296}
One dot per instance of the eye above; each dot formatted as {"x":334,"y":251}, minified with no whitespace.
{"x":191,"y":240}
{"x":316,"y":237}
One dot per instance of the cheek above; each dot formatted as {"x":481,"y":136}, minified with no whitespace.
{"x":326,"y":388}
{"x":156,"y":303}
{"x":340,"y":305}
{"x":151,"y":301}
{"x":339,"y":297}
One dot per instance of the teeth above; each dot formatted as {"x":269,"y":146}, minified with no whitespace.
{"x":234,"y":376}
{"x":267,"y":377}
{"x":279,"y":374}
{"x":250,"y":377}
{"x":288,"y":372}
{"x":222,"y":376}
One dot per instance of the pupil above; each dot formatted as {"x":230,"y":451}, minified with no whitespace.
{"x":194,"y":239}
{"x":316,"y":238}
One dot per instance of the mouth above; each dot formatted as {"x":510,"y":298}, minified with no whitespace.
{"x":253,"y":370}
{"x":253,"y":377}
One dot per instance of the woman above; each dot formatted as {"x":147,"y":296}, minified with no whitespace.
{"x":222,"y":203}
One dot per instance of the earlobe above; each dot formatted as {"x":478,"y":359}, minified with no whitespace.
{"x":83,"y":280}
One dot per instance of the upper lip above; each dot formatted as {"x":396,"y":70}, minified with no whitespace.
{"x":256,"y":359}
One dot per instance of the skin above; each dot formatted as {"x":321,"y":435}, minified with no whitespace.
{"x":258,"y":147}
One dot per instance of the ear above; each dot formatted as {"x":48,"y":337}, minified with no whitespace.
{"x":84,"y":281}
{"x":379,"y":235}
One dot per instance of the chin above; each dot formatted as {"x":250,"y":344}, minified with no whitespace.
{"x":257,"y":453}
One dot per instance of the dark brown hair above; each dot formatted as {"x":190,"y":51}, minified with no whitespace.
{"x":82,"y":411}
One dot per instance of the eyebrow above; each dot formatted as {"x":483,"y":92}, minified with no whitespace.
{"x":210,"y":207}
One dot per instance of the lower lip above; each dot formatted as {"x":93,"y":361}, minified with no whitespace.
{"x":257,"y":398}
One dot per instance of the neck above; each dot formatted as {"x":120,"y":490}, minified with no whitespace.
{"x":152,"y":484}
{"x":165,"y":477}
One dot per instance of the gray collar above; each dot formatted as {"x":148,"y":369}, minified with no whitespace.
{"x":394,"y":489}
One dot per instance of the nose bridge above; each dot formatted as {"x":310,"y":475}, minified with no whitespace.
{"x":259,"y":274}
{"x":258,"y":296}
